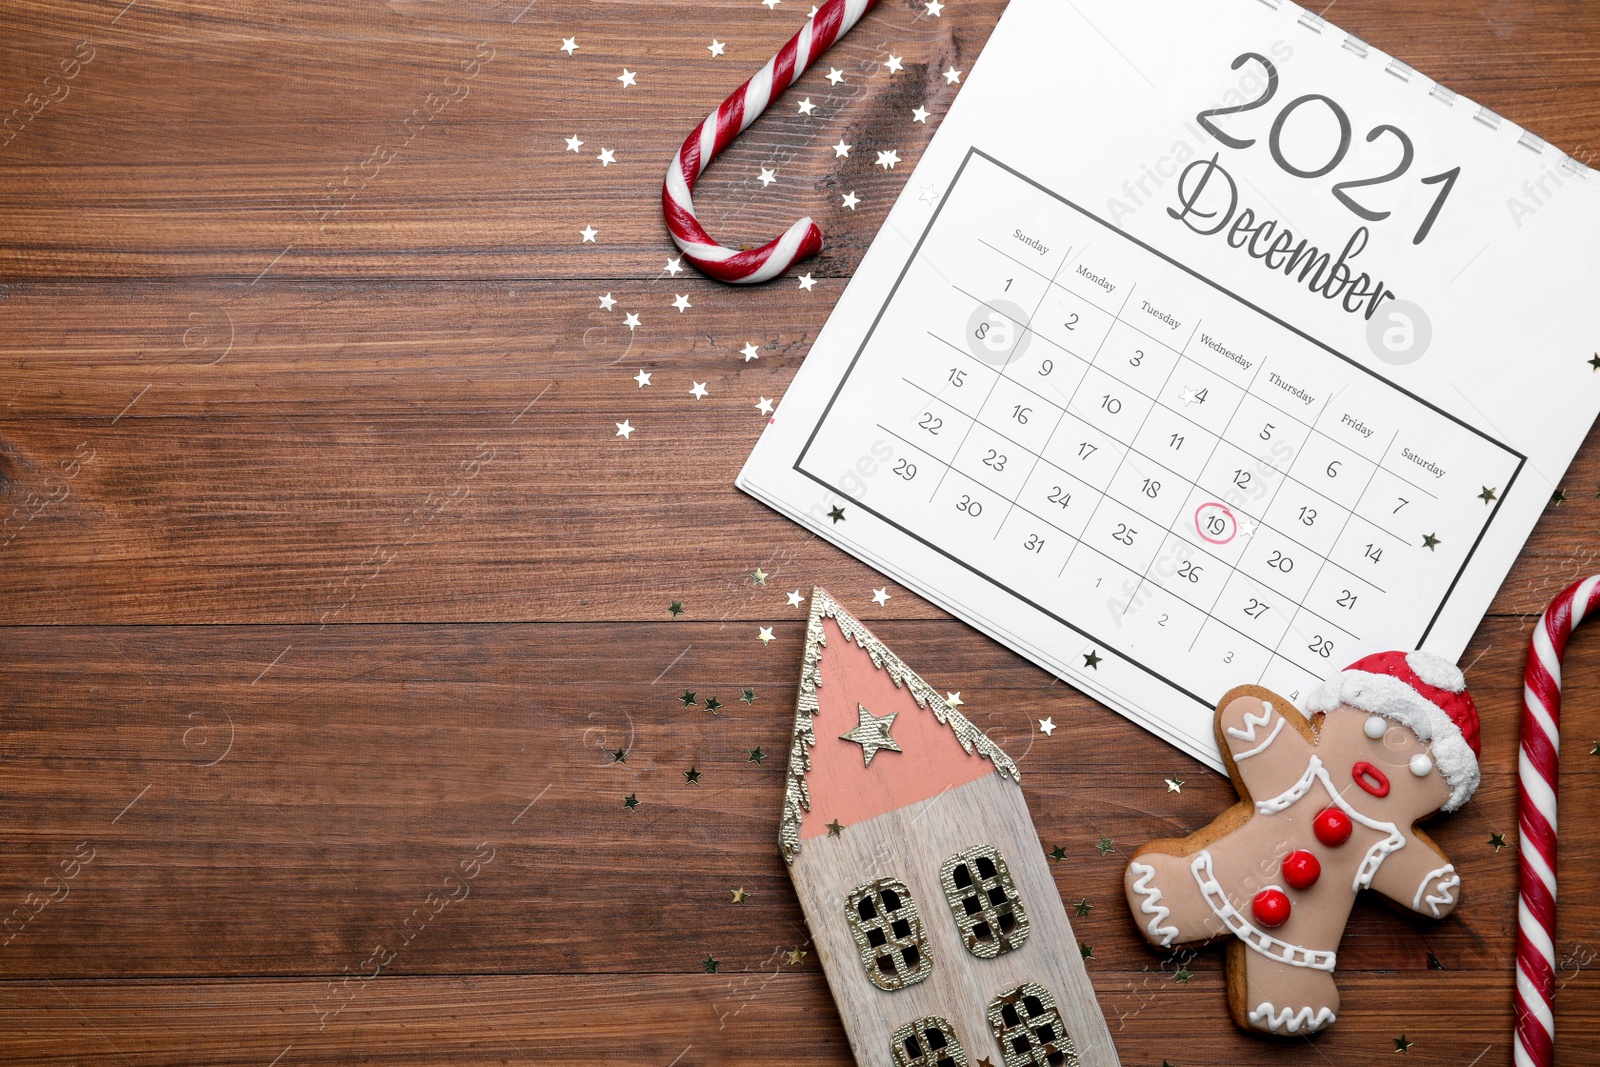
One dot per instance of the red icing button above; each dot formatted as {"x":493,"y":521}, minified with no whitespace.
{"x":1301,"y":869}
{"x":1332,"y":827}
{"x":1271,"y":907}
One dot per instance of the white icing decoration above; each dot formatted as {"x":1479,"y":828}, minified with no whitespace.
{"x":1151,"y":904}
{"x":1376,"y":726}
{"x":1271,"y":947}
{"x":1290,"y":1021}
{"x":1251,"y":722}
{"x":1436,"y":671}
{"x":1273,"y":736}
{"x":1421,"y":764}
{"x":1444,"y":896}
{"x":1375,"y":856}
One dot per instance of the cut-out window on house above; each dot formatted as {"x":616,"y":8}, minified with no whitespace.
{"x":1028,"y":1028}
{"x":927,"y":1042}
{"x":984,"y":901}
{"x":888,"y":931}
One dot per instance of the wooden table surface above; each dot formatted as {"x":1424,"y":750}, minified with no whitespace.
{"x":328,"y":588}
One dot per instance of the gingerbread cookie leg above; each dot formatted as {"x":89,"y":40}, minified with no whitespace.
{"x":1275,"y":997}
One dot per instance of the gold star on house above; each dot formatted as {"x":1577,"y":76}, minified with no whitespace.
{"x":675,"y":608}
{"x":871,"y":733}
{"x":796,"y":955}
{"x":691,"y":776}
{"x":1488,"y":495}
{"x":1497,"y":841}
{"x":756,"y":756}
{"x":1058,"y":853}
{"x":1402,"y":1045}
{"x":759,"y":576}
{"x":835,"y":828}
{"x":1083,"y":908}
{"x":739,"y":895}
{"x":1174,"y":785}
{"x":1428,"y":541}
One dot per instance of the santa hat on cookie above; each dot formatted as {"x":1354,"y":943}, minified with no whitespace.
{"x":1422,"y":692}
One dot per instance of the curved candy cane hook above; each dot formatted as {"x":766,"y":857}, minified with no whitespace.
{"x":719,"y":129}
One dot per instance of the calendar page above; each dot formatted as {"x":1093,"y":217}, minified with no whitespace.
{"x":1206,"y":346}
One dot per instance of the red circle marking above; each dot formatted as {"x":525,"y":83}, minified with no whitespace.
{"x":1231,"y":518}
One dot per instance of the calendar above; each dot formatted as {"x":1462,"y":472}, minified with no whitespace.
{"x":1206,"y":345}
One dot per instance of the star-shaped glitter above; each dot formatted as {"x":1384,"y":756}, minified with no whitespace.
{"x":1403,"y":1046}
{"x":919,"y":114}
{"x":1558,"y":497}
{"x":871,"y":732}
{"x":1105,"y":846}
{"x":589,"y":234}
{"x":835,"y":828}
{"x":953,"y":76}
{"x":934,"y":7}
{"x":835,"y":75}
{"x":807,"y":282}
{"x":628,"y":77}
{"x":681,"y":302}
{"x":759,"y":576}
{"x":573,"y":144}
{"x":674,"y":265}
{"x":675,"y":608}
{"x":888,"y":159}
{"x":1182,"y":975}
{"x":631,"y":321}
{"x":1086,"y":950}
{"x":841,"y":150}
{"x":953,"y":699}
{"x":1091,"y":658}
{"x":795,"y":599}
{"x":699,"y":392}
{"x":625,"y":430}
{"x":1047,"y":726}
{"x":710,"y":964}
{"x":1083,"y":908}
{"x":880,"y":596}
{"x":768,"y":176}
{"x":893,"y":63}
{"x":1595,"y":751}
{"x":765,"y":635}
{"x":747,"y":696}
{"x":607,"y":157}
{"x":739,"y":895}
{"x":713,"y":705}
{"x":1058,"y":853}
{"x":691,"y":776}
{"x":1174,"y":785}
{"x":750,"y":351}
{"x":764,"y":406}
{"x":630,"y":802}
{"x":688,"y":698}
{"x":569,"y":45}
{"x":756,"y":756}
{"x":1428,"y":541}
{"x":807,"y":107}
{"x":850,"y":200}
{"x":619,"y":756}
{"x":717,"y":47}
{"x":1497,"y":841}
{"x":607,"y":302}
{"x":836,"y":514}
{"x":643,"y":378}
{"x":796,"y":954}
{"x":1488,"y":495}
{"x":1594,"y":361}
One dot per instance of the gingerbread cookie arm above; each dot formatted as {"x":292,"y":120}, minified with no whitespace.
{"x":1266,"y":741}
{"x":1420,"y":876}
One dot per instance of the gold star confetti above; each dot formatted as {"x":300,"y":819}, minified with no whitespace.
{"x":1428,"y":541}
{"x":1058,"y":853}
{"x":1594,"y":361}
{"x":756,"y":756}
{"x":1488,"y":495}
{"x":837,"y":514}
{"x":1174,"y":785}
{"x":1092,"y":659}
{"x":1083,"y":908}
{"x":796,"y":955}
{"x":1403,"y":1046}
{"x":1497,"y":841}
{"x":630,"y":802}
{"x":1105,"y":846}
{"x":739,"y":895}
{"x":795,"y":599}
{"x":748,"y":696}
{"x":1595,"y":751}
{"x":710,"y":964}
{"x":675,"y":608}
{"x":688,"y":698}
{"x":1558,"y":497}
{"x":765,"y":635}
{"x":1182,"y":975}
{"x":713,"y":705}
{"x":759,"y":576}
{"x":1087,"y":950}
{"x":691,"y":776}
{"x":619,"y":756}
{"x":835,"y":828}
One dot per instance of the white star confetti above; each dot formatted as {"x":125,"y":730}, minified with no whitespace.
{"x":1047,"y":726}
{"x":628,"y":77}
{"x":643,"y":378}
{"x":771,"y":5}
{"x":835,"y":75}
{"x":573,"y":144}
{"x":607,"y":303}
{"x":1246,"y":528}
{"x":807,"y":107}
{"x":807,"y":282}
{"x":589,"y":234}
{"x":850,"y":200}
{"x":625,"y":430}
{"x":765,"y":633}
{"x":569,"y":45}
{"x":606,"y":157}
{"x":1188,"y":396}
{"x":749,"y":351}
{"x":632,"y":321}
{"x":880,"y":596}
{"x":765,"y":406}
{"x":699,"y":392}
{"x":934,"y":7}
{"x":954,"y":699}
{"x":682,"y":303}
{"x":953,"y":76}
{"x":888,"y":159}
{"x":893,"y":63}
{"x":674,"y":266}
{"x":841,"y":150}
{"x":919,"y":114}
{"x":795,"y":599}
{"x":717,"y":47}
{"x":929,"y":195}
{"x":768,"y":176}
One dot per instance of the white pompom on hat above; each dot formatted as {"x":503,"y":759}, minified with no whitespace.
{"x":1423,"y":692}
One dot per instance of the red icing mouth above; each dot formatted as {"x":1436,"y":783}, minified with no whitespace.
{"x":1370,"y":778}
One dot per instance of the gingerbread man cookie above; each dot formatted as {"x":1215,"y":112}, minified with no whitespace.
{"x":1327,"y":808}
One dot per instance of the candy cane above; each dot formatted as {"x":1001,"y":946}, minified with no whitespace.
{"x":718,"y":131}
{"x":1535,"y":1037}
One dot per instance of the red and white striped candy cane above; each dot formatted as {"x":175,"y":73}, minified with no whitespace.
{"x":718,"y":131}
{"x":1535,"y":1038}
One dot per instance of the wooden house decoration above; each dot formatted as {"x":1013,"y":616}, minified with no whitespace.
{"x":937,"y":921}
